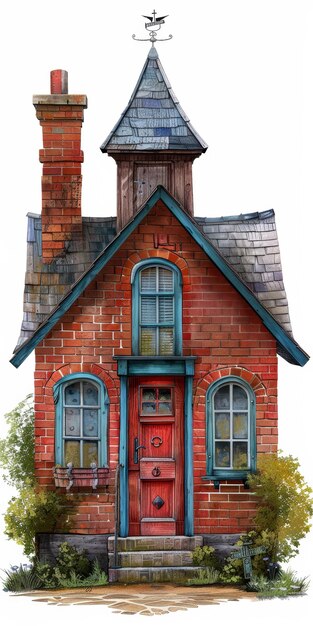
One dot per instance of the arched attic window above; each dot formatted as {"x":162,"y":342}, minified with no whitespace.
{"x":81,"y":421}
{"x":231,"y":429}
{"x":156,"y":309}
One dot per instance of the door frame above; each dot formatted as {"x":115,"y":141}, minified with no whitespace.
{"x":145,"y":366}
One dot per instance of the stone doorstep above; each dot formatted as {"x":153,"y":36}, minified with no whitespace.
{"x":153,"y":558}
{"x":149,"y":543}
{"x":152,"y":574}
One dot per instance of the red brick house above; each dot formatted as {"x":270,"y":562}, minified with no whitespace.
{"x":156,"y":333}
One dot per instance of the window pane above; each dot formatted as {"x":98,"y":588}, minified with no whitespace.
{"x":90,"y":453}
{"x":222,"y":454}
{"x":148,"y":408}
{"x":166,"y":341}
{"x":165,"y":408}
{"x":149,"y":394}
{"x":222,"y":426}
{"x":71,"y":453}
{"x":90,"y":423}
{"x":72,"y":394}
{"x":240,"y":398}
{"x":166,"y":282}
{"x":166,"y":310}
{"x":222,"y":399}
{"x":240,"y":454}
{"x":240,"y":426}
{"x":148,"y":341}
{"x":90,"y":394}
{"x":165,"y":394}
{"x":148,"y":279}
{"x":148,"y":310}
{"x":72,"y":422}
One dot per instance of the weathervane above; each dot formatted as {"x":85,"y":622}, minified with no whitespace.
{"x":153,"y":26}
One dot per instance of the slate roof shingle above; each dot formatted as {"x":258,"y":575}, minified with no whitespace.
{"x":153,"y":119}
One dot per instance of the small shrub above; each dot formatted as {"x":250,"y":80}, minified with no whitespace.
{"x":72,"y":561}
{"x":46,"y":575}
{"x":96,"y":578}
{"x":205,"y":557}
{"x":232,"y":572}
{"x":72,"y":569}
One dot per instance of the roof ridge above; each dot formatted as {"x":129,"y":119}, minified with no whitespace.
{"x":240,"y":217}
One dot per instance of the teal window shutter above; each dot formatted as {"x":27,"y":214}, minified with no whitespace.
{"x":231,"y":429}
{"x":81,"y":421}
{"x":156,"y":309}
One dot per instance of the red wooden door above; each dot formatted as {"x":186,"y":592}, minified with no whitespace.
{"x":156,"y":456}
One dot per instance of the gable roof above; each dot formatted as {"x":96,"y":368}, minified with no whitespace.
{"x":153,"y":118}
{"x":287,"y":346}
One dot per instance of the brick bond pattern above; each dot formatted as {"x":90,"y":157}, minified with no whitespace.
{"x":61,"y":118}
{"x":218,"y":327}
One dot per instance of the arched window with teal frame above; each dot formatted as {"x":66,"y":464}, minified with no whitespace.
{"x":156,"y":309}
{"x":82,"y":405}
{"x":231,"y":429}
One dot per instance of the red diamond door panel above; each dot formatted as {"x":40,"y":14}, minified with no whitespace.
{"x":156,"y":456}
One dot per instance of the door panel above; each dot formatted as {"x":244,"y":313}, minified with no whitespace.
{"x":156,"y":467}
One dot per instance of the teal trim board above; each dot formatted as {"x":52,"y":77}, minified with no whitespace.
{"x":123,"y":457}
{"x":176,"y":293}
{"x":221,"y":473}
{"x":189,"y":521}
{"x":149,"y":366}
{"x":295,"y":354}
{"x":58,"y":395}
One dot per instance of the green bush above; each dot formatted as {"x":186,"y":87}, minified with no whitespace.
{"x":34,"y":511}
{"x":17,"y":449}
{"x":285,"y":504}
{"x":70,"y":560}
{"x":205,"y":557}
{"x":72,"y":569}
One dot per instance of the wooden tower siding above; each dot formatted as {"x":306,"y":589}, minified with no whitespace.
{"x":139,"y":175}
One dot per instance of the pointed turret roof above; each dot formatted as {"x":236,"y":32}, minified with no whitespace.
{"x":153,"y":118}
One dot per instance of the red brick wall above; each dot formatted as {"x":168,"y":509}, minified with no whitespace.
{"x":61,"y":118}
{"x":218,"y":327}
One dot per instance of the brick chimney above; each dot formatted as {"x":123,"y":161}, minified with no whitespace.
{"x":61,"y":116}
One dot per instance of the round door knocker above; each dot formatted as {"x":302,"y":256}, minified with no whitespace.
{"x":156,"y":471}
{"x":156,"y":441}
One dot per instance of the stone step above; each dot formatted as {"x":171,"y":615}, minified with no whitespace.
{"x":153,"y":558}
{"x":152,"y":574}
{"x":163,"y":543}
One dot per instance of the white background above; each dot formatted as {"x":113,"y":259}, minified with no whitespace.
{"x":242,"y":70}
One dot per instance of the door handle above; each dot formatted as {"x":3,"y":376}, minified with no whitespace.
{"x":136,"y":448}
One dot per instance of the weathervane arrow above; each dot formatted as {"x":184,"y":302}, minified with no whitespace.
{"x":153,"y":26}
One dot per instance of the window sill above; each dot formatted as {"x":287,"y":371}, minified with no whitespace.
{"x":231,"y":477}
